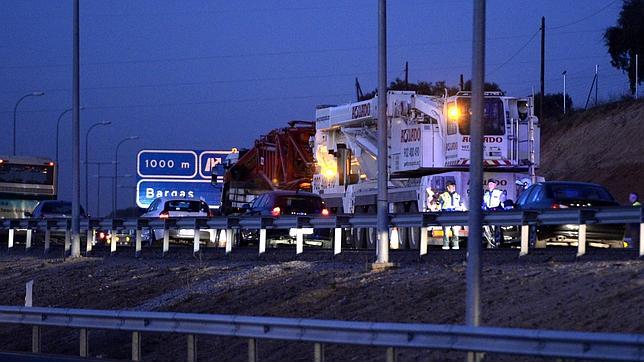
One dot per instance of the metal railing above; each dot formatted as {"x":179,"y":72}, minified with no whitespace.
{"x":337,"y":223}
{"x":544,"y":343}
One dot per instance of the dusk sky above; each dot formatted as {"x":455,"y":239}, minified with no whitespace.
{"x":211,"y":75}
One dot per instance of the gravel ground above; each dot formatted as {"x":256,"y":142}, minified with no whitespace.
{"x":603,"y":291}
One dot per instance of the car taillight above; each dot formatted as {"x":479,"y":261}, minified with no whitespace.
{"x":325,"y":212}
{"x":211,"y":214}
{"x":164,"y":215}
{"x":101,"y":235}
{"x":276,"y":211}
{"x":558,"y":206}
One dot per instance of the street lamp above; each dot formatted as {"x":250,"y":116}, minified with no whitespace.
{"x":116,"y":165}
{"x":58,"y":127}
{"x":104,"y":123}
{"x":564,"y":92}
{"x":32,"y":94}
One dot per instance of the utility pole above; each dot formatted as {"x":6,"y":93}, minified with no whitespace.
{"x":461,"y":83}
{"x":543,"y":65}
{"x":406,"y":75}
{"x":596,"y":82}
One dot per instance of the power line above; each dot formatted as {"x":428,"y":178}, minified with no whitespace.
{"x":585,"y":17}
{"x":515,"y":54}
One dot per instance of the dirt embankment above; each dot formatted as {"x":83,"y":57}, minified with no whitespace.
{"x":604,"y":145}
{"x":586,"y":296}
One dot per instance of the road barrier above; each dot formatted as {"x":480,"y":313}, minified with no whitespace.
{"x":543,"y":343}
{"x":228,"y":226}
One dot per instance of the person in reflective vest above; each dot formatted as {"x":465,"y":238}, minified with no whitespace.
{"x":493,"y":199}
{"x":450,"y":200}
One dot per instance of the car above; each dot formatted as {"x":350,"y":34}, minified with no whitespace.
{"x":279,"y":203}
{"x":176,"y":207}
{"x":563,"y":195}
{"x":53,"y":209}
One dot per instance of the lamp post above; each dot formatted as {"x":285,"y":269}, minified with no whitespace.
{"x":104,"y":123}
{"x":98,"y":185}
{"x":116,"y":165}
{"x":564,"y":92}
{"x":58,"y":127}
{"x":15,"y":109}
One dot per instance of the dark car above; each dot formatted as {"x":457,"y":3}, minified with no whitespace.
{"x":278,"y":203}
{"x":566,"y":194}
{"x":53,"y":209}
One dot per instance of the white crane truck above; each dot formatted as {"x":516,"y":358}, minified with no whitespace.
{"x":429,"y":144}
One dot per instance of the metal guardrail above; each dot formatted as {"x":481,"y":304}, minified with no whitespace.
{"x":544,"y":343}
{"x":523,"y":219}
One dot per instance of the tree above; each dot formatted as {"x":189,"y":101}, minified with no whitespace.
{"x":626,"y":40}
{"x":552,"y":105}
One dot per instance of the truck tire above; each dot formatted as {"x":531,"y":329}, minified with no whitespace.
{"x":372,"y":233}
{"x":413,"y":235}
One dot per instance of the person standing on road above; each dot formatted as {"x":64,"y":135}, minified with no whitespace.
{"x":493,"y":199}
{"x":450,"y":200}
{"x":430,"y":200}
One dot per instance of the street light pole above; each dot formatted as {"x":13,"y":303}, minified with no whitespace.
{"x":104,"y":123}
{"x":58,"y":127}
{"x":564,"y":92}
{"x":15,"y":109}
{"x":116,"y":155}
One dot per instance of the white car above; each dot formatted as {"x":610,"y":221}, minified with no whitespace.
{"x":175,"y":207}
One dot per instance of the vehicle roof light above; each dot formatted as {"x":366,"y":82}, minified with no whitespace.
{"x":276,"y":211}
{"x":453,"y":112}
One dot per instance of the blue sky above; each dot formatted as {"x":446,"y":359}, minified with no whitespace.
{"x":214,"y":75}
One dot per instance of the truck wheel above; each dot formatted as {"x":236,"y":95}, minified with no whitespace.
{"x":413,"y":235}
{"x":372,"y":233}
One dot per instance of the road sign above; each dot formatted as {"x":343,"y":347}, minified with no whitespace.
{"x":179,"y":173}
{"x":148,"y":190}
{"x":167,"y":164}
{"x":209,"y":160}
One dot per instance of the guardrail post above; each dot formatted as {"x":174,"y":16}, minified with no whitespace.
{"x":12,"y":233}
{"x":196,"y":240}
{"x":28,"y":239}
{"x":229,"y":240}
{"x":252,"y":350}
{"x":391,"y":354}
{"x":641,"y":239}
{"x":68,"y":244}
{"x":35,"y":339}
{"x":581,"y":244}
{"x":337,"y":241}
{"x":424,"y":240}
{"x":137,"y":247}
{"x":262,"y":241}
{"x":47,"y":239}
{"x":91,"y":236}
{"x":113,"y":242}
{"x":299,"y":241}
{"x":525,"y":239}
{"x":318,"y":352}
{"x":192,"y":348}
{"x":84,"y":342}
{"x":136,"y":346}
{"x":166,"y":240}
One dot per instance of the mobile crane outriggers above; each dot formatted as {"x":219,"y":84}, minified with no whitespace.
{"x":429,"y":144}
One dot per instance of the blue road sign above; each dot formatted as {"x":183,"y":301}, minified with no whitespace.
{"x":211,"y":160}
{"x":148,"y":190}
{"x":175,"y":164}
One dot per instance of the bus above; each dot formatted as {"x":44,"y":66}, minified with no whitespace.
{"x":24,"y":181}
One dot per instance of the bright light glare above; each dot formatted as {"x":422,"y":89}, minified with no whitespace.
{"x":453,"y":112}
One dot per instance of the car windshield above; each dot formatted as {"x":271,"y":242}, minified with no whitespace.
{"x":580,"y":192}
{"x":186,"y":206}
{"x":299,"y":204}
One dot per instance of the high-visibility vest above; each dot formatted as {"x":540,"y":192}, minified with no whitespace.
{"x":637,"y":203}
{"x":449,"y":202}
{"x":493,"y":199}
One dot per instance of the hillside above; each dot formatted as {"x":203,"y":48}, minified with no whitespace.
{"x":604,"y":144}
